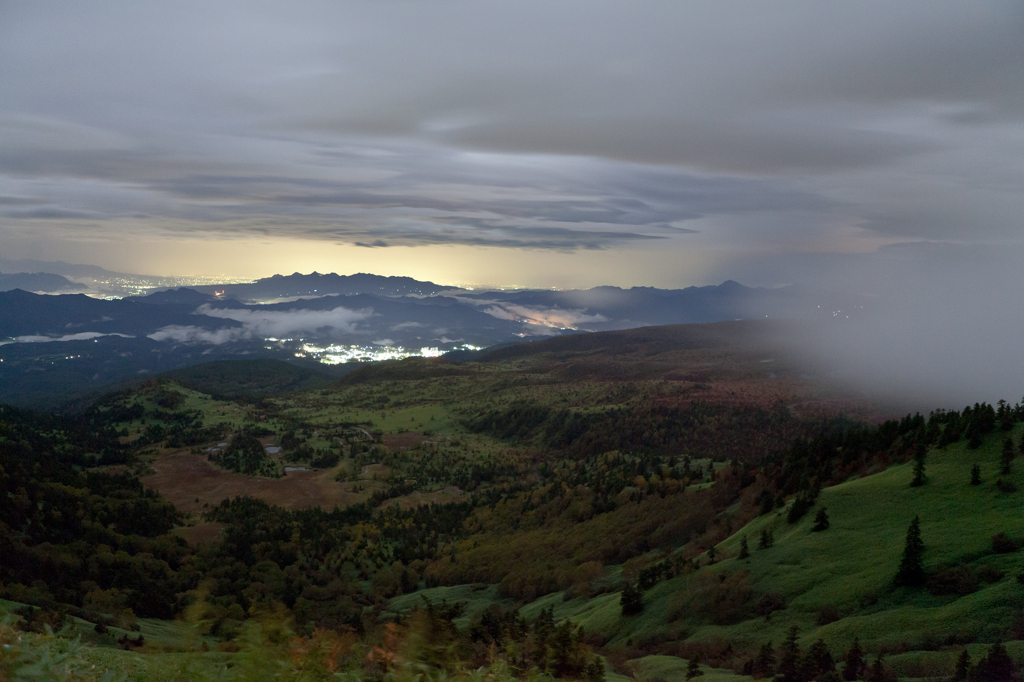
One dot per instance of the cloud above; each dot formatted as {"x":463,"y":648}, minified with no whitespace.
{"x":81,"y":336}
{"x":407,"y":325}
{"x":546,"y":317}
{"x":258,"y":323}
{"x":279,"y":323}
{"x":191,"y":334}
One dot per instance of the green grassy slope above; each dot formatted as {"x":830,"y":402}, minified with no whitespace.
{"x":850,"y":568}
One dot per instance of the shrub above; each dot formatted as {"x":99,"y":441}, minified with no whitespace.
{"x":769,"y":603}
{"x":1002,"y":544}
{"x":960,"y":579}
{"x":802,"y":504}
{"x":1006,"y":486}
{"x":827,"y":614}
{"x":990,"y":574}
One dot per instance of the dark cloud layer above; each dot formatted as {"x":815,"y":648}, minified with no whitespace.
{"x":519,"y":123}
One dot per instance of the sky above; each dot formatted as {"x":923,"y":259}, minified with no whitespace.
{"x":862,"y":145}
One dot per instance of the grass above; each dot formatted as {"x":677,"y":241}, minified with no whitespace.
{"x":850,"y":567}
{"x":673,"y":669}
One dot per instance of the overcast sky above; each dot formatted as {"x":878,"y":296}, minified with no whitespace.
{"x":856,"y":144}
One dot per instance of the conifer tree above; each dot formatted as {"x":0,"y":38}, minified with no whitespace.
{"x":744,"y":549}
{"x":963,"y":667}
{"x":877,"y":671}
{"x":817,"y":662}
{"x":911,"y":571}
{"x":632,"y":600}
{"x":789,"y":662}
{"x":764,"y":664}
{"x":975,"y":475}
{"x":919,"y":455}
{"x":820,"y":521}
{"x":854,"y":664}
{"x":693,"y":669}
{"x":767,"y":539}
{"x":1007,"y":457}
{"x":997,"y":666}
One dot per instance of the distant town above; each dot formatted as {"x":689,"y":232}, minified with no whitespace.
{"x":337,"y":354}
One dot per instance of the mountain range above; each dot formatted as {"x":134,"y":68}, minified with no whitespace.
{"x":53,"y":344}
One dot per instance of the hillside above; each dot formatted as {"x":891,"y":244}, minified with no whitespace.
{"x":495,"y":513}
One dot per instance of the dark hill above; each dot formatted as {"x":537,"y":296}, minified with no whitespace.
{"x":316,"y":284}
{"x":249,"y":378}
{"x":37,"y":281}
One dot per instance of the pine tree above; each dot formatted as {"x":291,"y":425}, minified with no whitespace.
{"x":764,"y":664}
{"x":1007,"y":457}
{"x":853,"y":662}
{"x":997,"y":666}
{"x":911,"y":571}
{"x":744,"y":549}
{"x":975,"y":475}
{"x":963,"y":667}
{"x":767,"y":539}
{"x":712,"y":553}
{"x":632,"y":600}
{"x":693,"y":669}
{"x":817,"y":662}
{"x":789,"y":662}
{"x":820,"y":521}
{"x":919,"y":455}
{"x":877,"y":671}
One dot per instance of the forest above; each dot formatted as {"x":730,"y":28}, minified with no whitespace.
{"x":602,"y":507}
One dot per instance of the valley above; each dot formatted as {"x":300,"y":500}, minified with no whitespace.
{"x":428,"y":497}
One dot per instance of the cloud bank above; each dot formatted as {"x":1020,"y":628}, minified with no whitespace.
{"x":265,"y":323}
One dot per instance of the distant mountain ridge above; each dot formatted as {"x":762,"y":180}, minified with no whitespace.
{"x":27,"y":265}
{"x":37,"y":281}
{"x":316,"y":284}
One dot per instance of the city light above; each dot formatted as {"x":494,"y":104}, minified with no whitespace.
{"x":337,"y":354}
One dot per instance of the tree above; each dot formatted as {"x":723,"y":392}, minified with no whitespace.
{"x":1007,"y":458}
{"x":818,"y":661}
{"x":789,"y":662}
{"x":911,"y":571}
{"x":764,"y":664}
{"x":712,"y":553}
{"x":632,"y":600}
{"x":767,"y":539}
{"x":975,"y":475}
{"x":854,"y":665}
{"x":820,"y":521}
{"x":997,"y":666}
{"x":919,"y":455}
{"x":963,"y":667}
{"x":693,"y":669}
{"x":877,"y":671}
{"x":744,"y":549}
{"x":594,"y":672}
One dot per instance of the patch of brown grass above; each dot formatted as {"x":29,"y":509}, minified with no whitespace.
{"x":183,"y":478}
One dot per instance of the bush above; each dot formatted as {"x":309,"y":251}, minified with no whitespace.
{"x":990,"y":574}
{"x":960,"y":579}
{"x":769,"y":603}
{"x":802,"y":504}
{"x":827,"y":614}
{"x":1002,"y":544}
{"x":1006,"y":486}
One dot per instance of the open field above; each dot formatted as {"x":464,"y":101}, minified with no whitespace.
{"x":183,"y":478}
